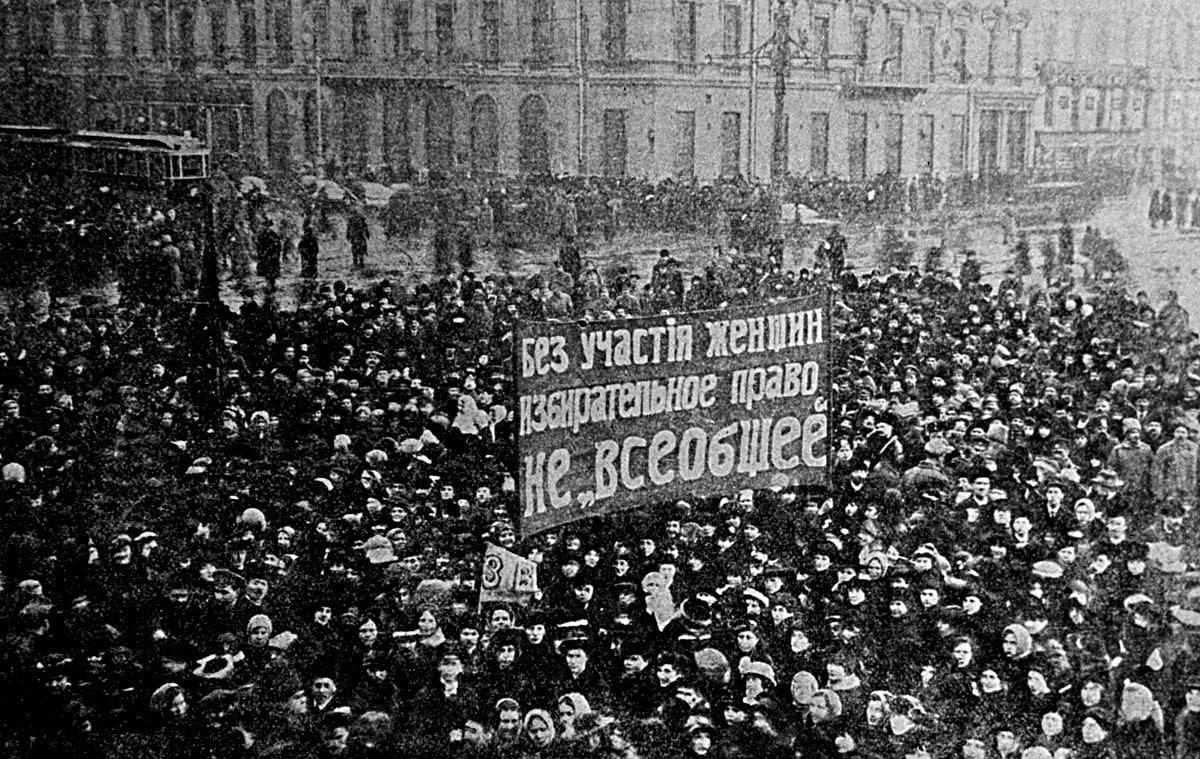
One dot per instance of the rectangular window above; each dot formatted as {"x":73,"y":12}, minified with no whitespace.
{"x":895,"y":63}
{"x":958,"y":137}
{"x":1076,"y":102}
{"x":443,"y":26}
{"x":360,"y":40}
{"x":894,"y":148}
{"x":1049,"y":106}
{"x":1017,"y":54}
{"x":861,"y":43}
{"x":70,"y":22}
{"x":820,"y":42}
{"x":731,"y":144}
{"x":960,"y":54}
{"x":129,"y":32}
{"x":616,"y":29}
{"x":685,"y":35}
{"x":541,"y":31}
{"x":1017,"y":137}
{"x":249,"y":34}
{"x":1120,"y":108}
{"x":992,"y":48}
{"x":685,"y":144}
{"x":857,"y":146}
{"x":1051,"y":50}
{"x":818,"y":153}
{"x":989,"y":142}
{"x":616,"y":148}
{"x":928,"y":53}
{"x":489,"y":31}
{"x":925,"y":144}
{"x":320,"y":24}
{"x":99,"y":42}
{"x":731,"y":33}
{"x":185,"y":32}
{"x":158,"y":31}
{"x":218,"y":22}
{"x":1102,"y":110}
{"x":283,"y":32}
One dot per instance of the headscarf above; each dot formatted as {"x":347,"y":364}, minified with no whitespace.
{"x":1023,"y":638}
{"x":543,"y":715}
{"x":581,"y":707}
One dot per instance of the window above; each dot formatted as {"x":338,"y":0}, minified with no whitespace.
{"x":401,"y":29}
{"x":857,"y":146}
{"x":958,"y":135}
{"x":925,"y":144}
{"x":1017,"y":137}
{"x":542,"y":31}
{"x":360,"y":40}
{"x":685,"y":35}
{"x":731,"y":37}
{"x":1049,"y":106}
{"x":99,"y":42}
{"x":443,"y":25}
{"x":895,"y":62}
{"x":485,"y":136}
{"x":1120,"y":108}
{"x":70,"y":21}
{"x":615,"y":146}
{"x":283,"y":31}
{"x":685,"y":144}
{"x":894,"y":148}
{"x":185,"y":36}
{"x":820,"y":41}
{"x":818,"y":152}
{"x":960,"y":54}
{"x":731,"y":144}
{"x":1018,"y":53}
{"x":489,"y":31}
{"x":1102,"y":110}
{"x":320,"y":24}
{"x":989,"y":141}
{"x":158,"y":31}
{"x":928,"y":53}
{"x":992,"y":45}
{"x":1051,"y":50}
{"x":249,"y":33}
{"x":616,"y":24}
{"x":861,"y":49}
{"x":129,"y":32}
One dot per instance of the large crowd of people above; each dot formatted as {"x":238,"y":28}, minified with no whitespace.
{"x":287,"y":566}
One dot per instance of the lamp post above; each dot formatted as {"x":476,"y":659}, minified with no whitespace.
{"x":310,"y":39}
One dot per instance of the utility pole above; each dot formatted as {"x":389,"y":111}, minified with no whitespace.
{"x":751,"y":126}
{"x":780,"y":65}
{"x":581,"y":90}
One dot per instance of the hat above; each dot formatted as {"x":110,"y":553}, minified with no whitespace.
{"x":757,"y":595}
{"x":259,"y":620}
{"x":379,"y":550}
{"x":1131,"y":423}
{"x":761,"y":669}
{"x":1048,"y":569}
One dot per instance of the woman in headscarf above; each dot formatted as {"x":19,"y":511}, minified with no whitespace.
{"x":571,"y":707}
{"x":539,"y":740}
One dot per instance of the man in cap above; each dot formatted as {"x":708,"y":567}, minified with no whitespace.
{"x":1131,"y":460}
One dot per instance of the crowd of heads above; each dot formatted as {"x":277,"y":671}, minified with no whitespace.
{"x":274,"y":549}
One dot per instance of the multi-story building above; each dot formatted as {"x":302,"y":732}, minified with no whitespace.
{"x":1119,"y":94}
{"x":650,"y":88}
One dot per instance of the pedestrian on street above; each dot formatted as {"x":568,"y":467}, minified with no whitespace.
{"x":269,"y":247}
{"x":309,"y":249}
{"x":357,"y":233}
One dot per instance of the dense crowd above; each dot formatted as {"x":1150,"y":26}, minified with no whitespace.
{"x":291,"y":572}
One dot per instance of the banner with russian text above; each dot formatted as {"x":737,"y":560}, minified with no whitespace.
{"x":506,"y":576}
{"x":618,"y":414}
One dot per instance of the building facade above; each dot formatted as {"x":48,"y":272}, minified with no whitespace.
{"x":1120,"y":95}
{"x":647,"y":88}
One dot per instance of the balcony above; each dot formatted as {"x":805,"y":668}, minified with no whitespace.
{"x":860,"y":84}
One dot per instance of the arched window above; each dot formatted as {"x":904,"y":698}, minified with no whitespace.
{"x":395,"y":132}
{"x":439,"y":134}
{"x":534,"y":138}
{"x":485,"y":136}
